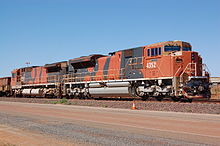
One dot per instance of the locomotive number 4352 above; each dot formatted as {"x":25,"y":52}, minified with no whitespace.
{"x":151,"y":65}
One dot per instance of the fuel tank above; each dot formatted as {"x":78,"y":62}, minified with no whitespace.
{"x":109,"y":92}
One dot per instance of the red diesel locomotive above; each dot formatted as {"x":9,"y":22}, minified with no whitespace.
{"x":166,"y":69}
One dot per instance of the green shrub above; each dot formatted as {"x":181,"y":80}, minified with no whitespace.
{"x":61,"y":101}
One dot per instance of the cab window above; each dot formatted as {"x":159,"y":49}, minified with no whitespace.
{"x":171,"y":48}
{"x":159,"y":51}
{"x":148,"y":52}
{"x":186,"y":49}
{"x":154,"y":51}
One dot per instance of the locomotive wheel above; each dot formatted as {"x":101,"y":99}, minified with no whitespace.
{"x":190,"y":100}
{"x":81,"y":96}
{"x":74,"y":96}
{"x":133,"y":92}
{"x":45,"y":96}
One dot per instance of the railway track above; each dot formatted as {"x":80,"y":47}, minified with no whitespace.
{"x":165,"y":100}
{"x":108,"y":100}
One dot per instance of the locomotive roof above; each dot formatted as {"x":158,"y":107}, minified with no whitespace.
{"x":86,"y":58}
{"x":54,"y":64}
{"x":5,"y":78}
{"x":15,"y":70}
{"x":29,"y":67}
{"x":176,"y":42}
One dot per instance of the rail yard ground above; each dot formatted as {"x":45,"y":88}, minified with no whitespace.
{"x":49,"y":124}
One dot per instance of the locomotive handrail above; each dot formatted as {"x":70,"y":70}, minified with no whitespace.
{"x":187,"y":67}
{"x":78,"y":76}
{"x":177,"y":71}
{"x":72,"y":77}
{"x":205,"y":69}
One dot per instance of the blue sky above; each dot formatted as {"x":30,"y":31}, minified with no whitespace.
{"x":47,"y":31}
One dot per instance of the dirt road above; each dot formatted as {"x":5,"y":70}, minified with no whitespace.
{"x":42,"y":124}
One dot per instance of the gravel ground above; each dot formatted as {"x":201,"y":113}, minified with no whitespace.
{"x":84,"y":134}
{"x":208,"y":108}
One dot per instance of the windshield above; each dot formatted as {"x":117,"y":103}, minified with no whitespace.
{"x":186,"y":49}
{"x":171,"y":48}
